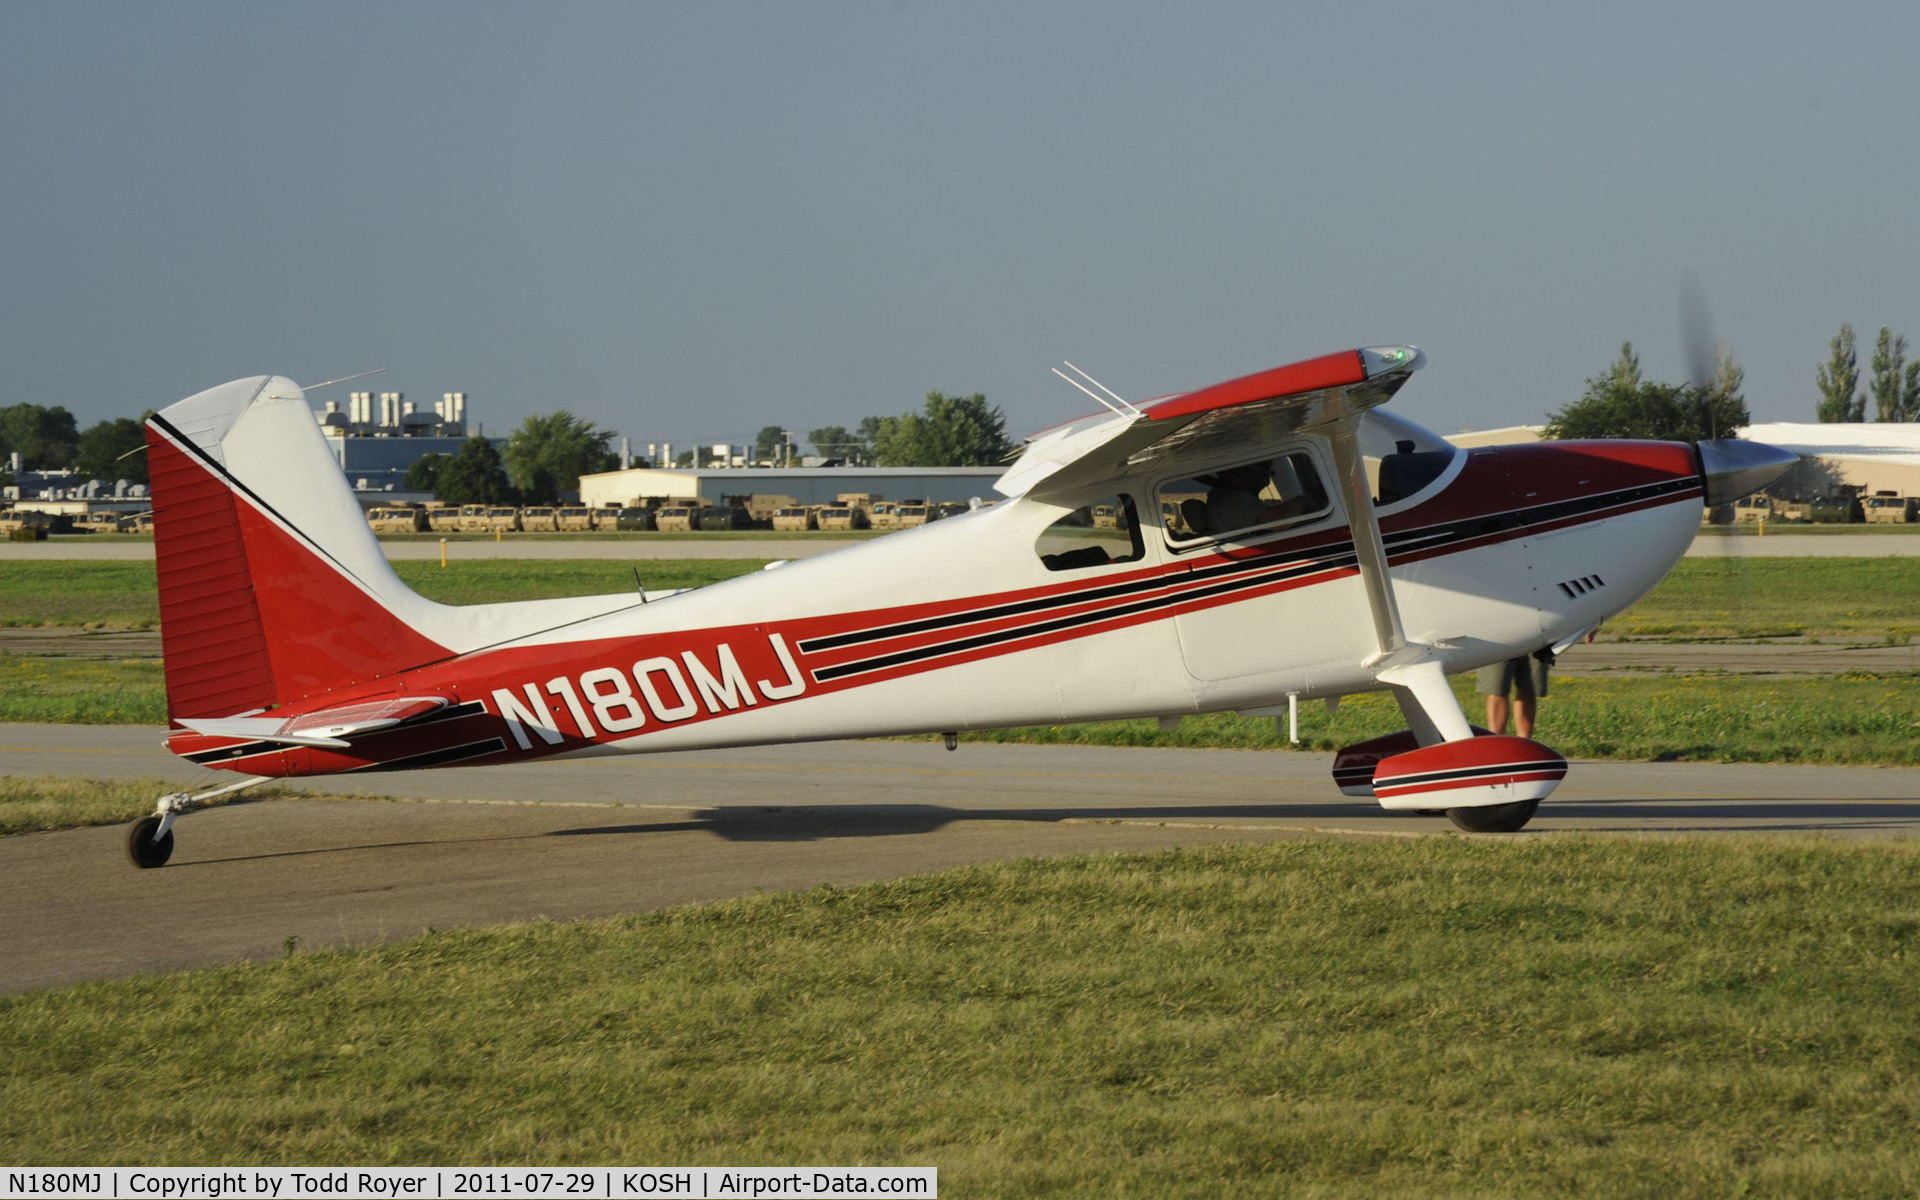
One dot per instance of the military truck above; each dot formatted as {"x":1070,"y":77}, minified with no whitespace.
{"x":397,"y":518}
{"x":538,"y":519}
{"x":100,"y":521}
{"x":1889,"y":508}
{"x":795,"y":519}
{"x":910,"y":514}
{"x":762,"y":507}
{"x":841,"y":517}
{"x":722,"y":517}
{"x":24,"y":525}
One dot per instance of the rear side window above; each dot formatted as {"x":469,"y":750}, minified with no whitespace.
{"x":1266,"y":494}
{"x":1093,"y":535}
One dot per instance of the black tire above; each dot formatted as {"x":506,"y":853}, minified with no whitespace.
{"x":1494,"y":818}
{"x":144,"y":852}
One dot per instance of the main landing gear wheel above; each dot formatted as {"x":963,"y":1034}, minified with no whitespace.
{"x":143,"y":850}
{"x":1493,"y":818}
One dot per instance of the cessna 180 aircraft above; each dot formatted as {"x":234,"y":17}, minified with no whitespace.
{"x":1273,"y":538}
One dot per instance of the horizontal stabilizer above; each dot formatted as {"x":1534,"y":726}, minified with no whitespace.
{"x":328,"y":727}
{"x":257,"y":729}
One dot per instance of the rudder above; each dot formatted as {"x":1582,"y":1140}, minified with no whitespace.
{"x":255,"y":610}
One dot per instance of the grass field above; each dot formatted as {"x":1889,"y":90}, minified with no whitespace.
{"x":1440,"y":1017}
{"x":1856,"y":719}
{"x":72,"y":691}
{"x":30,"y":805}
{"x":1847,"y":719}
{"x":1703,"y":599}
{"x":1708,"y":598}
{"x":123,"y":595}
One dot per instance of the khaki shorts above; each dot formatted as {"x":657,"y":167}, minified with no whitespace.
{"x":1524,"y":676}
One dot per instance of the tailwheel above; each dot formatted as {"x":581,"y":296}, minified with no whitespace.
{"x":150,"y":841}
{"x":1493,"y":818}
{"x":144,"y":849}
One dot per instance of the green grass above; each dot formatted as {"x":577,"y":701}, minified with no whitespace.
{"x":124,"y":595}
{"x":74,"y":691}
{"x":1708,"y":598}
{"x":1855,"y":719}
{"x":1440,"y":1017}
{"x":31,"y":804}
{"x":113,"y":595}
{"x":1703,"y":598}
{"x":489,"y":581}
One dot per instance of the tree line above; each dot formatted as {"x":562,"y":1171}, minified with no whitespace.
{"x":546,"y":454}
{"x":1894,"y":384}
{"x":49,"y":439}
{"x":948,"y":431}
{"x":1621,"y":403}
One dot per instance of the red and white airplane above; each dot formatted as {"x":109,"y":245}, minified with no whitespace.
{"x":1270,"y":539}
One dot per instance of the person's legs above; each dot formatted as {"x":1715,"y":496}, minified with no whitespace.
{"x":1494,"y":682}
{"x":1497,"y":713}
{"x":1525,"y":709}
{"x":1530,"y":686}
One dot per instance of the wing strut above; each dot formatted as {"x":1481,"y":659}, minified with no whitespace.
{"x":1415,"y":672}
{"x":1367,"y":545}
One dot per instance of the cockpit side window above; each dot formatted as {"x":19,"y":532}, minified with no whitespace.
{"x":1402,"y":459}
{"x":1093,"y":535}
{"x":1269,"y":493}
{"x":1407,"y":470}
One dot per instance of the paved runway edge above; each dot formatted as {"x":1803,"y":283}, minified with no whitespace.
{"x":596,"y":837}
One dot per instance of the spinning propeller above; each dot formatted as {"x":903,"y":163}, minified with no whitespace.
{"x":1729,"y":466}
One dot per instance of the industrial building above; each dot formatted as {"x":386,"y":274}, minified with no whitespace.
{"x":1876,"y":457}
{"x":807,"y":485}
{"x":381,"y":435}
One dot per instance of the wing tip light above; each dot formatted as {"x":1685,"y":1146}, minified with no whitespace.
{"x":1382,"y":360}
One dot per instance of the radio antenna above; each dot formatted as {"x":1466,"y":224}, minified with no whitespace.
{"x":1129,"y":411}
{"x":308,"y":387}
{"x":1103,"y":387}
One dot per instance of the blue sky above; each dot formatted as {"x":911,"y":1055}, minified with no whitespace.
{"x":686,"y":221}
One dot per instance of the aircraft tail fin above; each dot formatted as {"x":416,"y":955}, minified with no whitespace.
{"x":272,"y":585}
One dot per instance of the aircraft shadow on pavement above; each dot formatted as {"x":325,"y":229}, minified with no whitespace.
{"x":762,"y":823}
{"x":783,"y":824}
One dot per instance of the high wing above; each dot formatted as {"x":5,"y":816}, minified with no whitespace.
{"x":1249,"y":411}
{"x":1328,"y":395}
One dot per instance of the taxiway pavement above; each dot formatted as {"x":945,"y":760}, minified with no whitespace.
{"x":585,"y":838}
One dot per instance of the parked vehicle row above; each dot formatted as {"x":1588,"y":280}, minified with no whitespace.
{"x":1880,"y":508}
{"x":664,"y":514}
{"x":852,"y":511}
